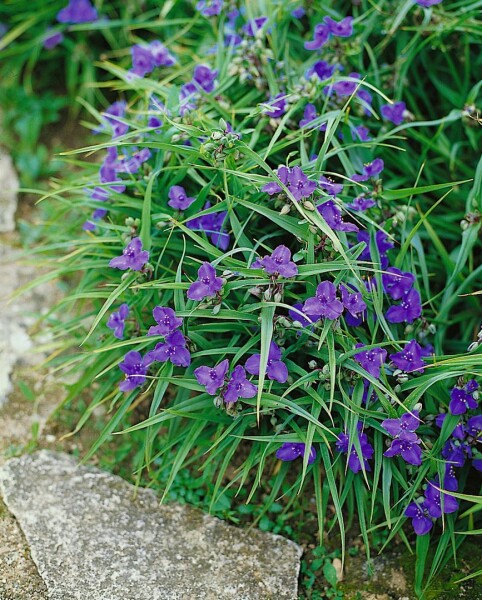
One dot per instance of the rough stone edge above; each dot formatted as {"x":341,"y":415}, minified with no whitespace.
{"x":144,"y":495}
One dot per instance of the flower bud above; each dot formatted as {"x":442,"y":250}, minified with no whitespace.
{"x":313,"y":364}
{"x":473,"y":346}
{"x":278,"y":297}
{"x":309,"y":205}
{"x":216,"y":309}
{"x":285,"y":209}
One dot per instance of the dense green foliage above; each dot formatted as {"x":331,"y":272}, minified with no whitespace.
{"x":219,"y":141}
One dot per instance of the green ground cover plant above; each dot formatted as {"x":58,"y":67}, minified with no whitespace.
{"x":277,"y":258}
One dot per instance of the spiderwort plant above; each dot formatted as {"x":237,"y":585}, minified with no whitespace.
{"x":286,"y":271}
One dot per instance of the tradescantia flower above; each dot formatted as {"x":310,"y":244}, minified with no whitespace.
{"x":421,"y":521}
{"x":438,"y":502}
{"x":210,"y":8}
{"x":410,"y":358}
{"x":329,"y":186}
{"x":295,"y":180}
{"x":278,"y":263}
{"x":382,"y":244}
{"x":116,"y":321}
{"x":370,"y":170}
{"x":321,"y":35}
{"x":303,"y":319}
{"x":427,"y":3}
{"x":343,"y":28}
{"x":394,"y":112}
{"x":347,"y":446}
{"x":463,"y":399}
{"x":207,"y":284}
{"x":251,"y":28}
{"x":353,"y":303}
{"x":371,"y":360}
{"x":293,"y":450}
{"x":135,"y":368}
{"x":397,"y":283}
{"x":172,"y":349}
{"x":332,"y":215}
{"x":133,"y":257}
{"x":409,"y":309}
{"x":321,"y":69}
{"x":146,"y":57}
{"x":212,"y":225}
{"x":52,"y":39}
{"x":275,"y":369}
{"x":409,"y":450}
{"x":166,"y":321}
{"x":212,"y":378}
{"x":178,"y":198}
{"x":77,"y":11}
{"x":277,"y":106}
{"x":404,"y":427}
{"x":325,"y":303}
{"x":239,"y":387}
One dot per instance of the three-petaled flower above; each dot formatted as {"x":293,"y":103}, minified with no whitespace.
{"x":275,"y":369}
{"x":279,"y":263}
{"x":207,"y":284}
{"x":293,"y":450}
{"x":133,"y":257}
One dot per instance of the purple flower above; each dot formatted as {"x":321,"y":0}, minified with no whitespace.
{"x":173,"y":349}
{"x":277,"y":106}
{"x":133,"y":257}
{"x":421,"y":521}
{"x":304,"y":321}
{"x":322,"y":69}
{"x":345,"y":445}
{"x":325,"y":303}
{"x":459,"y":431}
{"x":252,"y":27}
{"x":408,"y":310}
{"x":210,"y":8}
{"x":344,"y":87}
{"x":321,"y":35}
{"x":298,"y":13}
{"x":343,"y":28}
{"x":133,"y":163}
{"x":207,"y":285}
{"x":278,"y":263}
{"x":362,"y":203}
{"x":309,"y":115}
{"x":212,"y":377}
{"x":77,"y":11}
{"x":329,"y":186}
{"x":204,"y":78}
{"x":239,"y":387}
{"x":213,"y":225}
{"x":371,"y":360}
{"x":370,"y":170}
{"x":404,"y":427}
{"x":116,"y":321}
{"x":396,"y":283}
{"x":135,"y":369}
{"x":178,"y":198}
{"x":52,"y":39}
{"x":427,"y":3}
{"x":276,"y":369}
{"x":450,"y":481}
{"x":433,"y":501}
{"x":462,"y":400}
{"x":295,"y":180}
{"x":161,"y":55}
{"x":112,"y":116}
{"x":332,"y":215}
{"x":353,"y":303}
{"x":394,"y":112}
{"x":293,"y":450}
{"x":409,"y":450}
{"x":362,"y":133}
{"x":166,"y":321}
{"x":410,"y":358}
{"x":142,"y":60}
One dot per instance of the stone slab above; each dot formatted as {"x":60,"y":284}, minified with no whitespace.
{"x":93,"y":537}
{"x":8,"y":193}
